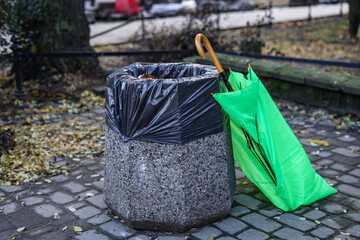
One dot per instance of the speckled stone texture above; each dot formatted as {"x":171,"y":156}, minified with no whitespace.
{"x":168,"y":187}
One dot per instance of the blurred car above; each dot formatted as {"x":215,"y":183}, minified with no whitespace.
{"x":241,"y":6}
{"x":212,"y":5}
{"x":171,"y":9}
{"x":328,"y":1}
{"x":302,"y":2}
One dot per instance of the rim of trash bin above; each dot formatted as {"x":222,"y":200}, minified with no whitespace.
{"x":125,"y":74}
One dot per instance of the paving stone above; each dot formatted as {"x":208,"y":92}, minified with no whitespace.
{"x":10,"y":189}
{"x":46,"y":190}
{"x":76,"y":172}
{"x":289,"y":233}
{"x":92,"y":234}
{"x":348,"y":179}
{"x":61,"y":198}
{"x":206,"y":232}
{"x":354,"y":231}
{"x":59,"y":178}
{"x":270,"y":211}
{"x":10,"y":208}
{"x":333,"y":208}
{"x":74,"y":187}
{"x":87,"y":212}
{"x":354,"y":216}
{"x":47,"y":210}
{"x":47,"y":235}
{"x":342,"y":237}
{"x":170,"y":238}
{"x":349,"y":190}
{"x":261,"y":222}
{"x":340,"y":167}
{"x":76,"y":205}
{"x":325,"y":154}
{"x":252,"y":234}
{"x":324,"y":162}
{"x":301,"y":209}
{"x":314,"y":214}
{"x":238,"y":211}
{"x":117,"y":229}
{"x":140,"y":237}
{"x":336,"y":222}
{"x":231,"y":225}
{"x":99,"y":185}
{"x":83,"y":195}
{"x":249,"y":201}
{"x":295,"y":222}
{"x":226,"y":238}
{"x":355,"y":172}
{"x":98,"y":201}
{"x":346,"y":138}
{"x":33,"y":200}
{"x":99,"y":219}
{"x":329,"y":173}
{"x":322,"y":232}
{"x":345,"y":152}
{"x":356,"y":148}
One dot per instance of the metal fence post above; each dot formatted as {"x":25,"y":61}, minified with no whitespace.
{"x":15,"y":47}
{"x":341,"y":8}
{"x":310,"y":2}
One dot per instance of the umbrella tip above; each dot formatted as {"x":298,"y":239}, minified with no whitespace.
{"x":212,"y":94}
{"x":249,"y":66}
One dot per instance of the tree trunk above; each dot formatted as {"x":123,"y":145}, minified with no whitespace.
{"x":63,"y":27}
{"x":354,"y":17}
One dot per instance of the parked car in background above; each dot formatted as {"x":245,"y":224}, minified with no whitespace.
{"x":171,"y":9}
{"x":241,"y":5}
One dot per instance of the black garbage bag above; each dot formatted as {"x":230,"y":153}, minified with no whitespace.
{"x":175,"y":107}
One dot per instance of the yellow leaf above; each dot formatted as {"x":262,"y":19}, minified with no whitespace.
{"x":64,"y":228}
{"x":77,"y":229}
{"x":345,"y":233}
{"x":47,"y":180}
{"x":7,"y":183}
{"x":317,"y":222}
{"x":320,"y":142}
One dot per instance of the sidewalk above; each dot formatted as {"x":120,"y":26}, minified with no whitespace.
{"x":54,"y":207}
{"x":228,"y":20}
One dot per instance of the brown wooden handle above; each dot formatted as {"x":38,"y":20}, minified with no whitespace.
{"x":200,"y":38}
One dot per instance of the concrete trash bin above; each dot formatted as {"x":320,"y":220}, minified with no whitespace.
{"x":165,"y":162}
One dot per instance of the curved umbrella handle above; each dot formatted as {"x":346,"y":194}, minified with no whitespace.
{"x":201,"y":38}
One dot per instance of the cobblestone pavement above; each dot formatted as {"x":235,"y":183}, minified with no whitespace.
{"x":51,"y":209}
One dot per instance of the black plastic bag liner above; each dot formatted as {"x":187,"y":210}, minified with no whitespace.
{"x":176,"y":107}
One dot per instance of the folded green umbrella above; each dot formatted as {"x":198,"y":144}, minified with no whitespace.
{"x":265,"y":147}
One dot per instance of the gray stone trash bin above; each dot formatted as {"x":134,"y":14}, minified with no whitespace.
{"x":184,"y":182}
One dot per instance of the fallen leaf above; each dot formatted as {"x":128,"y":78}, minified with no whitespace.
{"x":277,"y":218}
{"x":211,"y":237}
{"x":302,"y":218}
{"x":245,"y":183}
{"x":64,"y":228}
{"x":77,"y":229}
{"x":345,"y":233}
{"x":317,"y":222}
{"x":47,"y":180}
{"x":78,"y":177}
{"x":90,"y":194}
{"x":95,"y":175}
{"x":17,"y":198}
{"x":20,"y":229}
{"x":301,"y":131}
{"x":56,"y":216}
{"x":320,"y":142}
{"x":66,"y":173}
{"x":7,"y":184}
{"x":72,"y":209}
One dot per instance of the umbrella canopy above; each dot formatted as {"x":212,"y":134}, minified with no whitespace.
{"x":265,"y":147}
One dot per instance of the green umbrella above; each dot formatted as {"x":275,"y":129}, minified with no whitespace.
{"x":265,"y":147}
